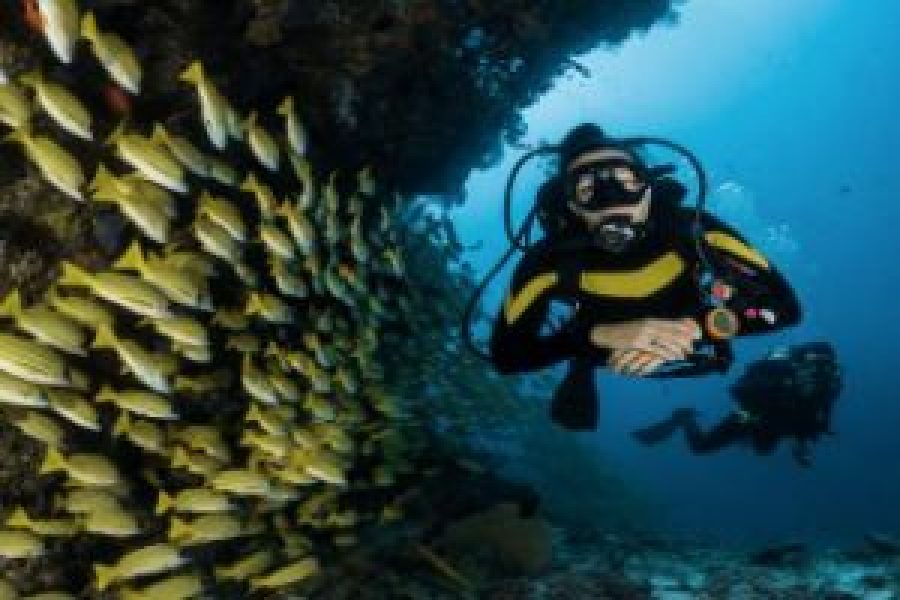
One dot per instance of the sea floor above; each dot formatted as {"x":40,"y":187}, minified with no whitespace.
{"x":619,"y":568}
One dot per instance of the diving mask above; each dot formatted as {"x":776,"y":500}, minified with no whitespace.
{"x":602,"y":184}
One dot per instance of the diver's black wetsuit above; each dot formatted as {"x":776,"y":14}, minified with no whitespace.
{"x":657,"y":278}
{"x":786,"y":395}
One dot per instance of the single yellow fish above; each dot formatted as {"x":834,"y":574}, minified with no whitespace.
{"x":156,"y":558}
{"x":138,"y":402}
{"x":293,"y":126}
{"x":241,"y":482}
{"x":182,"y":149}
{"x":74,"y":408}
{"x":143,"y":434}
{"x":262,"y":144}
{"x":246,"y":567}
{"x":154,"y":161}
{"x":19,"y":519}
{"x":116,"y":56}
{"x":20,"y":544}
{"x":223,"y":213}
{"x":60,"y":20}
{"x":32,"y":362}
{"x":127,"y":291}
{"x":194,"y":500}
{"x":89,"y":469}
{"x":176,"y":587}
{"x":38,"y":426}
{"x":63,"y":106}
{"x":55,"y":163}
{"x":287,"y":575}
{"x":213,"y":109}
{"x":265,"y":199}
{"x":255,"y":382}
{"x":155,"y":370}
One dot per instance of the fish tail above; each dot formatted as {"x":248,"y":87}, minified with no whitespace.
{"x":179,"y":529}
{"x":106,"y":393}
{"x":122,"y":424}
{"x":16,"y":135}
{"x":54,"y":461}
{"x":158,"y":135}
{"x":131,"y":260}
{"x":19,"y":519}
{"x":249,"y":183}
{"x":103,"y":179}
{"x":253,"y":414}
{"x":73,"y":275}
{"x":104,"y":338}
{"x":89,"y":30}
{"x":104,"y":575}
{"x":252,"y":305}
{"x":30,"y":78}
{"x":286,"y":107}
{"x":193,"y":73}
{"x":179,"y":457}
{"x":117,"y":133}
{"x":164,"y":503}
{"x":12,"y":304}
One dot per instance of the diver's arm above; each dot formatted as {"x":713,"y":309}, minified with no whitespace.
{"x":762,"y":300}
{"x":516,"y":342}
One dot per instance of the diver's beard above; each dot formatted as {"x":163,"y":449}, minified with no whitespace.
{"x":618,"y":236}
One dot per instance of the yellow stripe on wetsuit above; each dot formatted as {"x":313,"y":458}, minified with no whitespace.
{"x":518,"y":303}
{"x":640,"y":283}
{"x":732,"y":245}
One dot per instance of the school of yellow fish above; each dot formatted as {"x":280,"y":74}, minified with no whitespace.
{"x":232,"y":290}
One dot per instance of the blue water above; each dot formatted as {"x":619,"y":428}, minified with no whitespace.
{"x":792,"y":108}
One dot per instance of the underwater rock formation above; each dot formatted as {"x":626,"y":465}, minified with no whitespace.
{"x":211,"y":285}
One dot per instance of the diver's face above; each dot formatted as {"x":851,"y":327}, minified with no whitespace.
{"x":626,"y":177}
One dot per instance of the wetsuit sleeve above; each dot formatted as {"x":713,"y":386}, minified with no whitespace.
{"x":517,"y":343}
{"x":761,"y":297}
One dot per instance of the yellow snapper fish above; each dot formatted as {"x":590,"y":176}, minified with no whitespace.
{"x":190,"y":260}
{"x":301,"y":228}
{"x":32,"y":362}
{"x":269,"y":420}
{"x":265,"y":199}
{"x":216,"y":241}
{"x":152,"y":160}
{"x":287,"y":281}
{"x":365,"y":181}
{"x":184,"y":287}
{"x":82,"y":309}
{"x":148,"y":217}
{"x":184,"y":330}
{"x":293,"y":126}
{"x":15,"y":107}
{"x":222,"y":171}
{"x":241,"y":482}
{"x":45,"y":325}
{"x":116,"y":56}
{"x":61,"y":21}
{"x":213,"y":106}
{"x":202,"y":438}
{"x":276,"y":242}
{"x":255,"y":382}
{"x":115,"y":522}
{"x":141,"y":433}
{"x":303,"y":171}
{"x":63,"y":106}
{"x":287,"y":574}
{"x":127,"y":291}
{"x":37,"y":426}
{"x":55,"y":163}
{"x":176,"y":587}
{"x":269,"y":307}
{"x":194,"y":500}
{"x":137,"y":188}
{"x":275,"y":446}
{"x":153,"y":369}
{"x":206,"y":529}
{"x":87,"y":469}
{"x":19,"y":519}
{"x":199,"y":354}
{"x":202,"y":384}
{"x":149,"y":560}
{"x":73,"y":407}
{"x":223,"y":213}
{"x":262,"y":144}
{"x":20,"y":544}
{"x":197,"y":463}
{"x":232,"y":319}
{"x":182,"y":149}
{"x":248,"y":566}
{"x":138,"y":402}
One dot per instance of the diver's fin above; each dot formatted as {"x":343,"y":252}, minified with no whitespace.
{"x":574,"y":404}
{"x":658,"y":432}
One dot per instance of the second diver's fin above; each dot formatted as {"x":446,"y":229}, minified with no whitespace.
{"x":658,"y":432}
{"x":574,"y":404}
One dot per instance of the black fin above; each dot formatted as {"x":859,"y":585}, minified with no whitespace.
{"x":658,"y":432}
{"x":574,"y":404}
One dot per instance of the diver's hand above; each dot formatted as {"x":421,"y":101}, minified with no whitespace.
{"x":634,"y":362}
{"x":670,"y":339}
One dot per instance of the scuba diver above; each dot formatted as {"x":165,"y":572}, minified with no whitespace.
{"x":650,"y":287}
{"x":788,"y":394}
